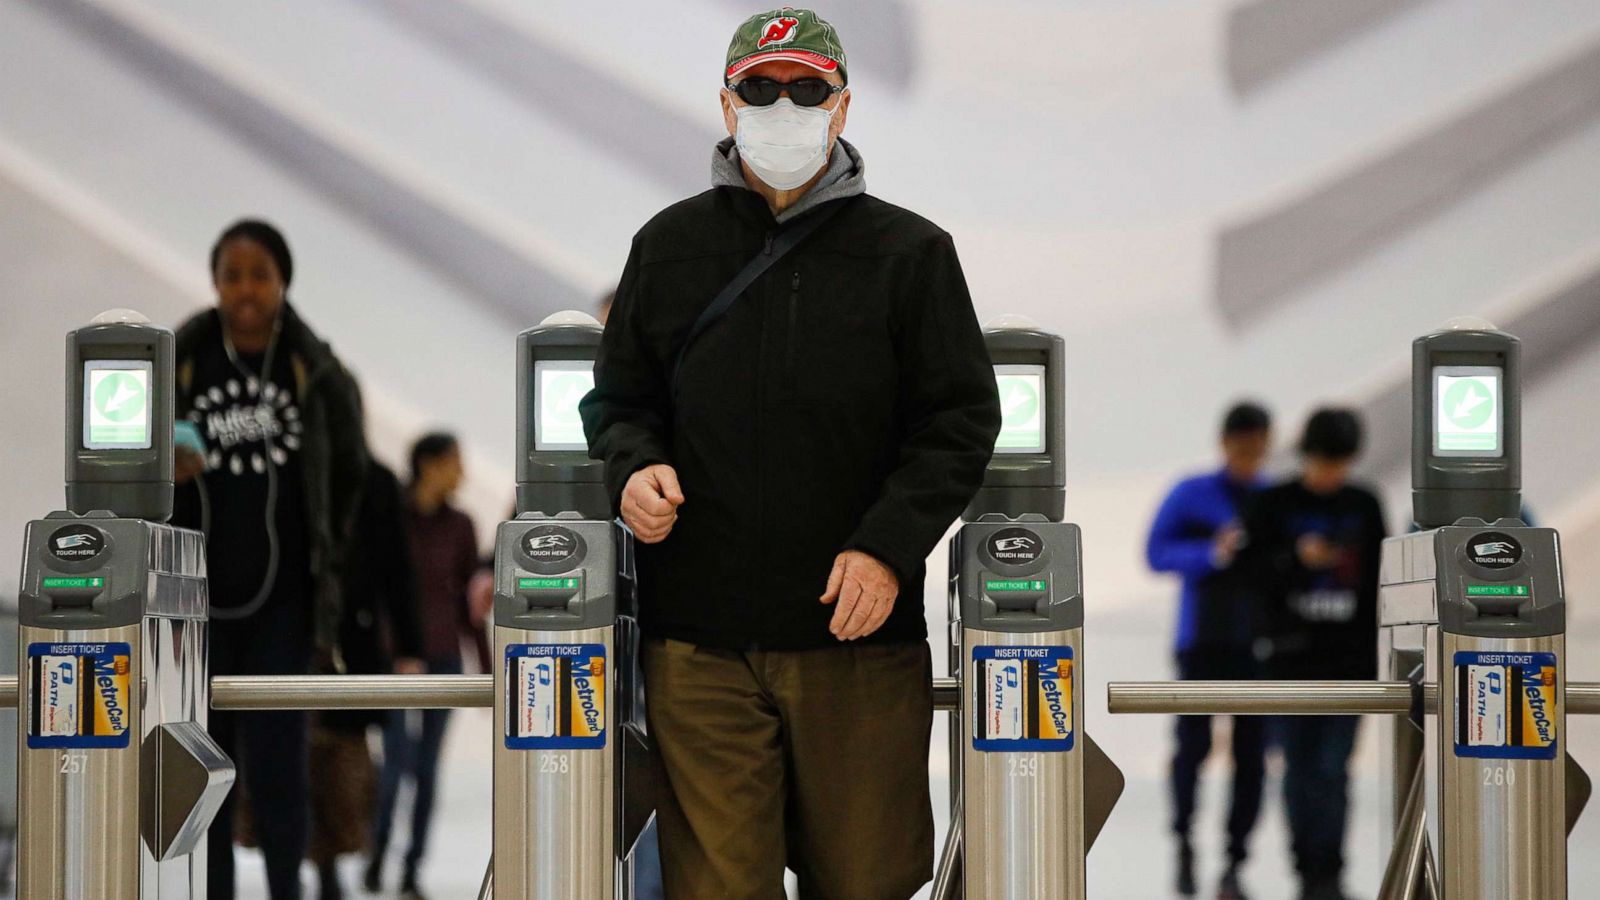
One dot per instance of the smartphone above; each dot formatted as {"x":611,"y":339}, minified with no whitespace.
{"x":187,"y":434}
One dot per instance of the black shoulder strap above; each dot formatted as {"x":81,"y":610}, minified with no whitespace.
{"x":785,"y":240}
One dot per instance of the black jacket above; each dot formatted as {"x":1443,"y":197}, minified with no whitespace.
{"x":380,"y":592}
{"x":333,"y":451}
{"x":381,"y":620}
{"x":1316,"y":623}
{"x":846,"y":401}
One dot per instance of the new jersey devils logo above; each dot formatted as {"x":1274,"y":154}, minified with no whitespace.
{"x":778,"y":31}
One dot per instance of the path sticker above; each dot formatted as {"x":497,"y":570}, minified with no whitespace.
{"x":1506,"y":705}
{"x":77,"y":696}
{"x":556,"y":696}
{"x":1022,"y":699}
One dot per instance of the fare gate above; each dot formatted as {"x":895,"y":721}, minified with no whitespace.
{"x":571,"y":796}
{"x":119,"y":780}
{"x":1472,"y":642}
{"x":1023,"y":818}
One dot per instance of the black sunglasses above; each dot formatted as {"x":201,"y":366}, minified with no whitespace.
{"x":803,"y":91}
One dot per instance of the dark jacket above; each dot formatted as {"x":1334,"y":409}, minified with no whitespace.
{"x":380,"y":592}
{"x":333,"y":449}
{"x":381,"y":618}
{"x":846,"y":401}
{"x":1316,"y":623}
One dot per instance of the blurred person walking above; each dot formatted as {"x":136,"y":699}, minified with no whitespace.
{"x":444,"y":552}
{"x":1313,"y":547}
{"x":380,"y":635}
{"x":1196,"y":534}
{"x":275,"y":494}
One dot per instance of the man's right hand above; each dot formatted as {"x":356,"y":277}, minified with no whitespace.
{"x":650,"y":502}
{"x":186,"y":464}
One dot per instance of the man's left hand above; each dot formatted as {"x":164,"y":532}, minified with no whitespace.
{"x":865,"y":590}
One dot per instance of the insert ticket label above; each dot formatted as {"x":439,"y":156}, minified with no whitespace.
{"x":556,"y":696}
{"x":78,"y":696}
{"x":1506,"y":705}
{"x":1022,"y":699}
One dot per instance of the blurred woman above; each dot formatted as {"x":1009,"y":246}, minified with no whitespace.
{"x":444,"y":551}
{"x":275,"y":493}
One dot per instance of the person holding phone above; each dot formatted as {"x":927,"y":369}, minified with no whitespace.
{"x":1197,"y":535}
{"x":275,"y":491}
{"x":1314,"y":546}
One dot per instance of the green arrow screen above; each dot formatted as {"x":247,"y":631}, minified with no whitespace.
{"x":1468,"y":414}
{"x":558,"y":385}
{"x":116,"y":404}
{"x":1021,"y":409}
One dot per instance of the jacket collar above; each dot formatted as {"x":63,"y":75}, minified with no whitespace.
{"x":846,"y":176}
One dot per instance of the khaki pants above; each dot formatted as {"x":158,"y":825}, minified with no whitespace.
{"x":817,"y":760}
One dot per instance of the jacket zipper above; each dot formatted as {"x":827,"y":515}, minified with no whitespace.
{"x":794,"y":336}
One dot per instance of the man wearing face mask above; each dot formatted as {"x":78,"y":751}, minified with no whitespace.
{"x":793,"y":401}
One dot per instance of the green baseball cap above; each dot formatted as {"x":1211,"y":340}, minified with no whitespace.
{"x":798,"y":35}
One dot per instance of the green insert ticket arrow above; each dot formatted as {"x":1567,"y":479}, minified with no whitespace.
{"x":1497,"y":590}
{"x":62,"y":583}
{"x":547,"y":584}
{"x":1015,"y":584}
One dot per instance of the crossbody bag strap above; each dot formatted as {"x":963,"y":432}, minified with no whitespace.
{"x":785,"y":240}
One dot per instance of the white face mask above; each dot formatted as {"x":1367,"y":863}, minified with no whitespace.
{"x":785,"y":145}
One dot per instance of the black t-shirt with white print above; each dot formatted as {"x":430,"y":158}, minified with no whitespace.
{"x":253,"y":432}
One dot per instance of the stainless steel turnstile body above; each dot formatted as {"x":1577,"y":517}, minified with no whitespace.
{"x":1017,"y":612}
{"x":118,"y":780}
{"x":1480,"y":607}
{"x":1408,"y":638}
{"x":555,"y":755}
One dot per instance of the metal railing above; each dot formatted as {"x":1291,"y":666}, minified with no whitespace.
{"x":1309,"y":698}
{"x":239,"y":692}
{"x":242,"y":692}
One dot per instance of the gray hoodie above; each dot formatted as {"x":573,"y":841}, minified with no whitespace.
{"x":846,"y":176}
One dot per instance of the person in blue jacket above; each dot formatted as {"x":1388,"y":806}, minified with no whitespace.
{"x":1196,"y":535}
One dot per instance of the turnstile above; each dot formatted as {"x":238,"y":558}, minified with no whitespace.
{"x":1018,"y":592}
{"x":1475,"y":606}
{"x":555,"y":762}
{"x":1023,"y":819}
{"x":569,"y":804}
{"x":1487,"y":628}
{"x":1502,"y":712}
{"x":117,"y":778}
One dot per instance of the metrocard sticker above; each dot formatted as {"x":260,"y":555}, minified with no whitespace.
{"x":1506,"y":705}
{"x":1022,"y":699}
{"x":78,"y":696}
{"x":556,"y":696}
